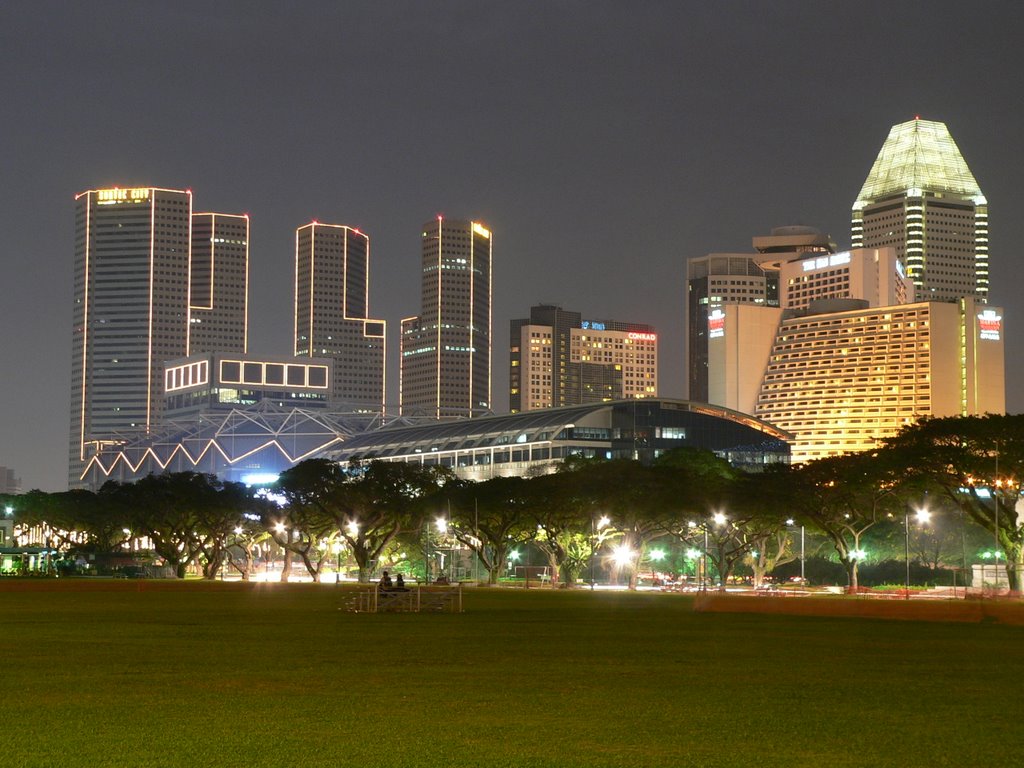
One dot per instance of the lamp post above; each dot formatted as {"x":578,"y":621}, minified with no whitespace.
{"x":595,"y":527}
{"x":923,"y":516}
{"x":791,"y":521}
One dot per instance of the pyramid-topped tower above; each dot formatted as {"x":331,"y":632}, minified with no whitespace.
{"x":921,"y":198}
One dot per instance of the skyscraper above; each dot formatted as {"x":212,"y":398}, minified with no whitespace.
{"x":218,"y":304}
{"x":557,"y":358}
{"x":745,"y":278}
{"x":130,"y":313}
{"x":446,"y":349}
{"x":922,"y":199}
{"x":332,"y":282}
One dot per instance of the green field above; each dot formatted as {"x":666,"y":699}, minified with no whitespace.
{"x":189,"y":674}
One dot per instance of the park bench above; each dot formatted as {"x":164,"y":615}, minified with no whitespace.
{"x":415,"y":600}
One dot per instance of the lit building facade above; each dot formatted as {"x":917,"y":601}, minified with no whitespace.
{"x":446,"y":349}
{"x":841,"y":381}
{"x":130,"y":312}
{"x":219,"y":294}
{"x":332,"y":267}
{"x":556,"y":358}
{"x":922,"y":199}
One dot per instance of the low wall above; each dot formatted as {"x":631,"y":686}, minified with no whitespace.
{"x":970,"y":611}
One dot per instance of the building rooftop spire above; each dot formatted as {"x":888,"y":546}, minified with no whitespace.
{"x":919,"y":155}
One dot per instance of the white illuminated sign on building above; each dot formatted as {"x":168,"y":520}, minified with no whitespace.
{"x":642,"y":336}
{"x":826,"y":261}
{"x":989,"y":325}
{"x":716,"y":324}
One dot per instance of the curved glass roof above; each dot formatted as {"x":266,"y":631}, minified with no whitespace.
{"x":919,"y":154}
{"x":529,"y":426}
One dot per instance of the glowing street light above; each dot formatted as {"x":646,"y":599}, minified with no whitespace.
{"x":922,"y":516}
{"x":622,"y":555}
{"x":441,"y":524}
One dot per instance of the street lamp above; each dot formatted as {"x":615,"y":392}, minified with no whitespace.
{"x":595,"y":526}
{"x":923,"y":516}
{"x":791,"y":521}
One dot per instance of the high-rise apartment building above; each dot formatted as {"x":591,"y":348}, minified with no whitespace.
{"x":557,"y":358}
{"x":219,"y":296}
{"x":922,"y":199}
{"x":332,"y":268}
{"x":744,"y":278}
{"x":446,"y":349}
{"x":130,"y":313}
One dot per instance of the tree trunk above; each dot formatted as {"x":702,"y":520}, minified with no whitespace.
{"x":286,"y":568}
{"x":851,"y":571}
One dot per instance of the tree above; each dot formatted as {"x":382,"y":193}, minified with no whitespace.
{"x":844,"y":497}
{"x":977,"y":463}
{"x":640,"y":502}
{"x":492,"y":519}
{"x":368,"y":505}
{"x":566,"y":529}
{"x":172,"y":510}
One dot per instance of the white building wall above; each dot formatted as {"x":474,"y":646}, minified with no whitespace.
{"x":739,"y":343}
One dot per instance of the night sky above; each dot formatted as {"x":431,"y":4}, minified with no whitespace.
{"x":603,"y":142}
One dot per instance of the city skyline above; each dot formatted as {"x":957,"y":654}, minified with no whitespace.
{"x":604,"y":146}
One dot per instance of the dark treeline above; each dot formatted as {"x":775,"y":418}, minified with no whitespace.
{"x":963,"y":471}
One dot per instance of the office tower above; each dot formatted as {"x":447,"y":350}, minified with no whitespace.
{"x":746,"y":278}
{"x":9,"y":484}
{"x":130,"y":313}
{"x":557,"y":358}
{"x":922,"y":199}
{"x":446,"y":349}
{"x":332,"y":280}
{"x":842,"y":380}
{"x":218,"y":306}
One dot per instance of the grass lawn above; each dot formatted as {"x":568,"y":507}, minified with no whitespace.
{"x":103,"y":674}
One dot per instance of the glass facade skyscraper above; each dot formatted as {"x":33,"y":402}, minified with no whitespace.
{"x":446,"y":349}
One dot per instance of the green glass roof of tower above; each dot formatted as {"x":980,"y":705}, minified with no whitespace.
{"x":919,"y":154}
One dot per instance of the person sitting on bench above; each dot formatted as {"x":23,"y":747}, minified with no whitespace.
{"x":385,"y":582}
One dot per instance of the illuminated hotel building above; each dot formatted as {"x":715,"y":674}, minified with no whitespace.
{"x":446,"y":349}
{"x":744,"y":278}
{"x":218,"y":307}
{"x":851,"y":357}
{"x":841,"y":381}
{"x":556,"y":358}
{"x":922,"y":199}
{"x":332,"y":267}
{"x":130,"y":312}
